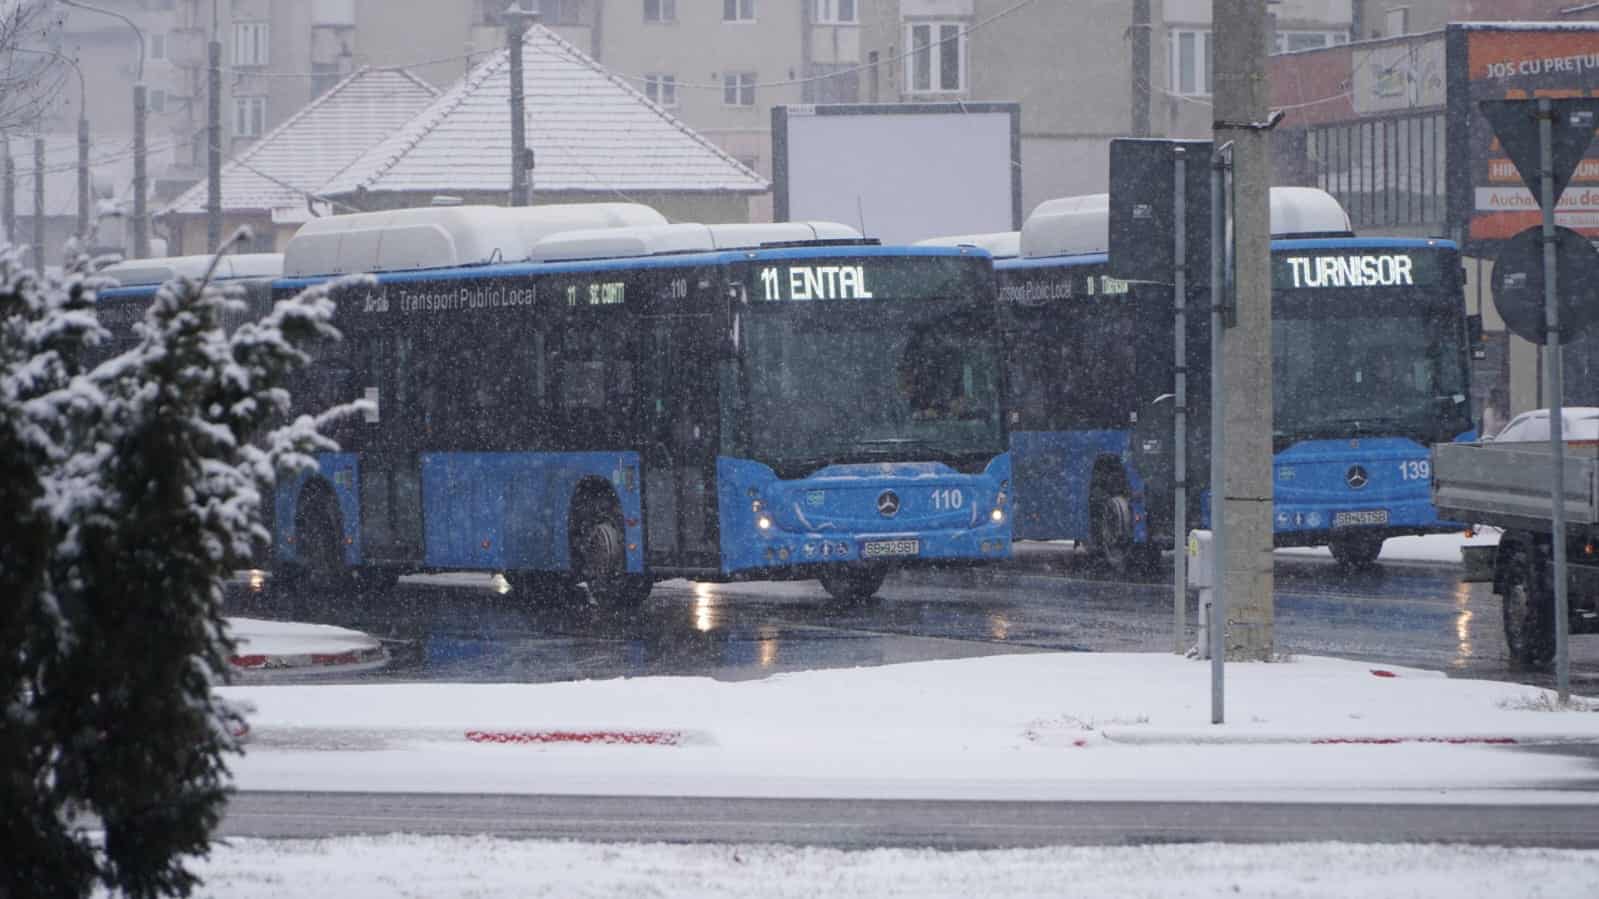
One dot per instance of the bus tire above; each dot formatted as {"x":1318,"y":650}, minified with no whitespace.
{"x":853,"y":584}
{"x":1527,"y":599}
{"x":599,"y":556}
{"x":1356,"y":549}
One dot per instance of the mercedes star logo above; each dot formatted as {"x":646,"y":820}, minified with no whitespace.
{"x":1355,"y":477}
{"x":888,"y":504}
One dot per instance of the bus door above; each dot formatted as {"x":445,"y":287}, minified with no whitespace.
{"x":679,"y":354}
{"x":391,"y":476}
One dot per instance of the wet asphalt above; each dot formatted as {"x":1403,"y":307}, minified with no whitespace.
{"x":474,"y":628}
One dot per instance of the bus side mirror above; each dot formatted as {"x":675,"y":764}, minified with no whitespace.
{"x":1474,"y":337}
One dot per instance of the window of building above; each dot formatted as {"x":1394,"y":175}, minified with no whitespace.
{"x":660,"y":10}
{"x":1290,"y":41}
{"x":936,"y":62}
{"x":1191,"y":62}
{"x":1398,"y":20}
{"x":157,"y":50}
{"x":738,"y":89}
{"x":661,"y":89}
{"x":833,"y":12}
{"x":155,"y":100}
{"x":324,"y":76}
{"x":738,"y":10}
{"x":251,"y":43}
{"x":249,"y":116}
{"x":560,"y":12}
{"x":339,"y":13}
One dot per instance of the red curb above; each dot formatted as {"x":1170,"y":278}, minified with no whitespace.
{"x":262,"y":662}
{"x":626,"y":737}
{"x":1390,"y":741}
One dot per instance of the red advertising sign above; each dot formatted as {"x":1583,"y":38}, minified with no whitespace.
{"x":1515,"y":61}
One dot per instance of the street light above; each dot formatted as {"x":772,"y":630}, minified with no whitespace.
{"x":141,"y":224}
{"x":83,"y":138}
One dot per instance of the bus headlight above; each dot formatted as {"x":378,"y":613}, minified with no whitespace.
{"x":763,"y":523}
{"x":997,"y":516}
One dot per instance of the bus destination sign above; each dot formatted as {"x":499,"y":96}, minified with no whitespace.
{"x":814,"y":282}
{"x":1332,"y":269}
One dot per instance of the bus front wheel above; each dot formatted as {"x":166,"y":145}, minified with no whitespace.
{"x":600,"y":562}
{"x":1113,"y":532}
{"x":1359,"y":549}
{"x":853,"y":584}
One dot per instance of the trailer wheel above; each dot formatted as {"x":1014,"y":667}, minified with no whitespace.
{"x":1528,"y":601}
{"x":1356,"y":549}
{"x":853,"y":584}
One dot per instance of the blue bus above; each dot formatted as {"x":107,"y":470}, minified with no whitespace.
{"x":117,"y":308}
{"x":587,"y":395}
{"x":1370,"y":348}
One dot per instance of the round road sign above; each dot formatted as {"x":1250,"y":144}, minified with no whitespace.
{"x":1518,"y":283}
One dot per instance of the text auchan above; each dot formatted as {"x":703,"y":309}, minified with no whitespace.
{"x":1377,"y":270}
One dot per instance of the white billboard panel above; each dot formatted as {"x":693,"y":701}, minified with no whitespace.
{"x":899,"y":173}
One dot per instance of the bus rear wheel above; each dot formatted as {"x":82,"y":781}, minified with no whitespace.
{"x":1528,"y":603}
{"x":599,"y":560}
{"x":1356,"y":549}
{"x":853,"y":584}
{"x":1113,"y":533}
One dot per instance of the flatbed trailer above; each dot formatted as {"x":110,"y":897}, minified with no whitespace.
{"x":1510,"y":486}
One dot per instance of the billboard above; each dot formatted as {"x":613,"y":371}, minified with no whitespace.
{"x":899,"y":172}
{"x":1511,"y":61}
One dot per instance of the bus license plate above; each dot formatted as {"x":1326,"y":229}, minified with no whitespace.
{"x":1363,"y":516}
{"x":882,"y":549}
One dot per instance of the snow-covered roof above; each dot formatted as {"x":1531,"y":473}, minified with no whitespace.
{"x":164,"y":268}
{"x":590,"y":131}
{"x":685,"y":237}
{"x":276,"y":173}
{"x":999,"y":244}
{"x":440,"y":236}
{"x":1070,"y":226}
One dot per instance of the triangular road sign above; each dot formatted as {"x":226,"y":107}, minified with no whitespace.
{"x":1515,"y":123}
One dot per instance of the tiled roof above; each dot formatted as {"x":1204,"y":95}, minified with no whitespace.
{"x":299,"y":156}
{"x":589,"y":129}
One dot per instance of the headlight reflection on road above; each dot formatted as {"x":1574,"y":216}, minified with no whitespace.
{"x":998,"y":626}
{"x":1463,"y":650}
{"x":768,"y":646}
{"x":705,"y":603}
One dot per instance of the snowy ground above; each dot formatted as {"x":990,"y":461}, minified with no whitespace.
{"x":484,"y":868}
{"x":1036,"y":726}
{"x":1433,"y":548}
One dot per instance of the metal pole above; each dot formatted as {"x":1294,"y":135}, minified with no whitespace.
{"x":10,"y":210}
{"x":1180,"y":407}
{"x":1242,"y":118}
{"x":1140,"y":36}
{"x":38,"y":205}
{"x":213,"y":153}
{"x":141,"y":220}
{"x":1553,"y":376}
{"x":83,"y":179}
{"x":1220,"y":159}
{"x":516,"y":21}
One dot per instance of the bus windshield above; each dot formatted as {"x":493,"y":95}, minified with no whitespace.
{"x":1354,"y":363}
{"x":873,"y":380}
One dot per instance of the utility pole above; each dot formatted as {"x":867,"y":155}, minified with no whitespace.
{"x":38,"y":205}
{"x":213,"y":153}
{"x":141,"y":180}
{"x":141,"y":224}
{"x":517,"y":22}
{"x":10,"y":210}
{"x":1241,"y":110}
{"x":1140,"y":40}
